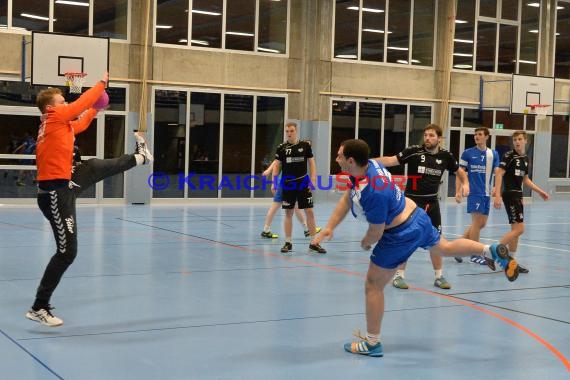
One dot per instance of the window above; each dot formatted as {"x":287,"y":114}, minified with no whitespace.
{"x":400,"y":32}
{"x":232,"y":134}
{"x":496,"y":40}
{"x":19,"y":123}
{"x":239,"y":32}
{"x":109,"y":17}
{"x":387,"y":128}
{"x":559,"y":147}
{"x":501,"y":124}
{"x":562,"y":54}
{"x":172,"y":22}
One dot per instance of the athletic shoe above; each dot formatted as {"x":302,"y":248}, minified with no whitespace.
{"x":475,"y":259}
{"x":363,"y":347}
{"x":307,"y":233}
{"x":287,"y":248}
{"x":399,"y":283}
{"x":523,"y":269}
{"x":442,"y":283}
{"x":141,"y":148}
{"x":459,"y":259}
{"x":490,"y":263}
{"x":501,"y":255}
{"x":269,"y":235}
{"x":317,"y":248}
{"x":44,"y":316}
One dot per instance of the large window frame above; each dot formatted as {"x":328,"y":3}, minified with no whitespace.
{"x":479,"y":43}
{"x":216,"y":163}
{"x":390,"y":120}
{"x":95,"y":142}
{"x":228,"y":40}
{"x":44,"y":21}
{"x":389,"y":51}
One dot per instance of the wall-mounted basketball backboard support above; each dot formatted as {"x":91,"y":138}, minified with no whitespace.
{"x":54,"y":54}
{"x":530,"y":90}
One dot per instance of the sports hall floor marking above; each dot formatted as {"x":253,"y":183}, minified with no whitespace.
{"x":30,"y":354}
{"x":460,"y":301}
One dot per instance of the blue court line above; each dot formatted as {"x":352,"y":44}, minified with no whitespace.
{"x":32,"y":355}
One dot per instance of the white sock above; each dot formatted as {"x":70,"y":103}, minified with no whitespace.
{"x":305,"y":227}
{"x":400,"y":273}
{"x":140,"y":159}
{"x":487,"y":251}
{"x":438,"y":273}
{"x":372,"y":338}
{"x":266,"y":228}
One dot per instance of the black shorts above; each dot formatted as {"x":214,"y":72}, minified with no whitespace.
{"x":297,"y":192}
{"x":431,"y":207}
{"x":514,"y":206}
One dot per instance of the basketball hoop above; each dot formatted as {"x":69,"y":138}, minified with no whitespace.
{"x":75,"y":81}
{"x":540,"y":110}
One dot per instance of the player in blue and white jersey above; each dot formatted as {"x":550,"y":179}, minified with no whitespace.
{"x":481,"y":164}
{"x":396,"y":227}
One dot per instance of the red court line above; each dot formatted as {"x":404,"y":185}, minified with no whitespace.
{"x":526,"y":330}
{"x":529,"y":332}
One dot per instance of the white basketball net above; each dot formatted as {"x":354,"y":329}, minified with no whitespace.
{"x":75,"y":82}
{"x":540,"y":110}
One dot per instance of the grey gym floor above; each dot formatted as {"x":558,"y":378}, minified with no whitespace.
{"x":193,"y":292}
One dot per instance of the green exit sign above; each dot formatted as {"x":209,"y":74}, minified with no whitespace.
{"x":499,"y":126}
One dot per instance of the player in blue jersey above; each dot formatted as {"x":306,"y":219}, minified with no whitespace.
{"x":481,"y":164}
{"x":513,"y":172}
{"x":396,"y":228}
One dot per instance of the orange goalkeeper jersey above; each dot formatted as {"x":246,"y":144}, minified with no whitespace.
{"x":56,"y":136}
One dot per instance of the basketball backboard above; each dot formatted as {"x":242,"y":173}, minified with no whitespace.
{"x":54,"y":54}
{"x":530,"y":90}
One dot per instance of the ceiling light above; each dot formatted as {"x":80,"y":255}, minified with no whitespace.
{"x":457,"y":21}
{"x":533,"y":31}
{"x":397,"y":48}
{"x":364,"y":9}
{"x":462,"y":55}
{"x":29,"y":15}
{"x":375,"y":30}
{"x":348,"y":56}
{"x":206,"y":12}
{"x":240,"y":34}
{"x":200,"y":42}
{"x":462,"y":66}
{"x":268,"y":50}
{"x":68,"y":2}
{"x":464,"y":41}
{"x":529,"y":62}
{"x":164,"y":27}
{"x":536,"y":5}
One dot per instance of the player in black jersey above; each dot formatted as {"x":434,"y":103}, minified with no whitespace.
{"x":426,"y":165}
{"x":513,"y":172}
{"x":292,"y":158}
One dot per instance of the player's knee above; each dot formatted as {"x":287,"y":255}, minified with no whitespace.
{"x":66,"y":256}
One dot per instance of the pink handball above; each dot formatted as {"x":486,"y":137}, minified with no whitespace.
{"x":102,"y":102}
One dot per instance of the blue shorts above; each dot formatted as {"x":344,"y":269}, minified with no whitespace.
{"x":479,"y":203}
{"x":397,"y":244}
